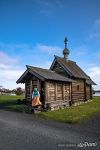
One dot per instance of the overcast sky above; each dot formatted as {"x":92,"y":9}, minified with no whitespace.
{"x":33,"y":31}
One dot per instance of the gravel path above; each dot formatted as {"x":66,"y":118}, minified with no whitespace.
{"x":19,"y":131}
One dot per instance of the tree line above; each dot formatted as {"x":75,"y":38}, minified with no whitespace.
{"x":17,"y":91}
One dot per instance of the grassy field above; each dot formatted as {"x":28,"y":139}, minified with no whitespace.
{"x":4,"y":99}
{"x":74,"y":114}
{"x":8,"y":102}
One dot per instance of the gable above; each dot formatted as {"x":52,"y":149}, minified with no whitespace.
{"x":70,"y":68}
{"x":58,"y":68}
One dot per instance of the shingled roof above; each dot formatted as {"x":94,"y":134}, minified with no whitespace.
{"x":43,"y":74}
{"x":72,"y":69}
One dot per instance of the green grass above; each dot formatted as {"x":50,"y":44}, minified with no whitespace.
{"x":74,"y":114}
{"x":8,"y":102}
{"x":17,"y":108}
{"x":5,"y":99}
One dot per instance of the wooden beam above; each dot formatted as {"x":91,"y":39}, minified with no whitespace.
{"x":46,"y":90}
{"x":38,"y":85}
{"x":25,"y":92}
{"x":63,"y":91}
{"x":70,"y":91}
{"x":85,"y":99}
{"x":31,"y":90}
{"x":91,"y":94}
{"x":55,"y":91}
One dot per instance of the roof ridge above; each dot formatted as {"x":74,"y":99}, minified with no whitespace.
{"x":80,"y":71}
{"x":39,"y":68}
{"x":83,"y":71}
{"x":63,"y":58}
{"x":44,"y":74}
{"x":36,"y":67}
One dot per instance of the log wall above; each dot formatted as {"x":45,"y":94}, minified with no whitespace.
{"x":78,"y":90}
{"x":67,"y":91}
{"x":51,"y":91}
{"x":28,"y":90}
{"x":88,"y":92}
{"x":57,"y":91}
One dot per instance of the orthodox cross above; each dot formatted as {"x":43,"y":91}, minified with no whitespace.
{"x":65,"y":41}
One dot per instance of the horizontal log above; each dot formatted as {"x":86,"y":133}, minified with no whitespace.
{"x":51,"y":99}
{"x":51,"y":92}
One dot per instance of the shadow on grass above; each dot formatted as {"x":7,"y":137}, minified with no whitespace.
{"x":4,"y":104}
{"x":14,"y":106}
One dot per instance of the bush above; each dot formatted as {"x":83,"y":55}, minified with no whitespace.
{"x":24,"y":101}
{"x":19,"y":101}
{"x":19,"y":91}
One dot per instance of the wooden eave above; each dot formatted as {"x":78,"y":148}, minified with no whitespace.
{"x":42,"y":74}
{"x":25,"y":77}
{"x":22,"y":76}
{"x":37,"y":75}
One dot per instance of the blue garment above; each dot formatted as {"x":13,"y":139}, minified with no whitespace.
{"x":35,"y":93}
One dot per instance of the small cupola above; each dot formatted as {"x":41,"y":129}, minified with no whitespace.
{"x":66,"y":51}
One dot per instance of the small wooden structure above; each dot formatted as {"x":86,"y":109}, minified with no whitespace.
{"x":56,"y":88}
{"x":63,"y":84}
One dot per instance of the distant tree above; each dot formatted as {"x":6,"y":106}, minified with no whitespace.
{"x":19,"y":91}
{"x":14,"y":90}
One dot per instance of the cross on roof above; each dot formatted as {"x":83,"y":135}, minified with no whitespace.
{"x":65,"y":41}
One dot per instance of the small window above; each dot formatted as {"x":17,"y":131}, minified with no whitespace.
{"x":78,"y":87}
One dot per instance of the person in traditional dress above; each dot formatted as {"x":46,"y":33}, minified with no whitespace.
{"x":36,"y":98}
